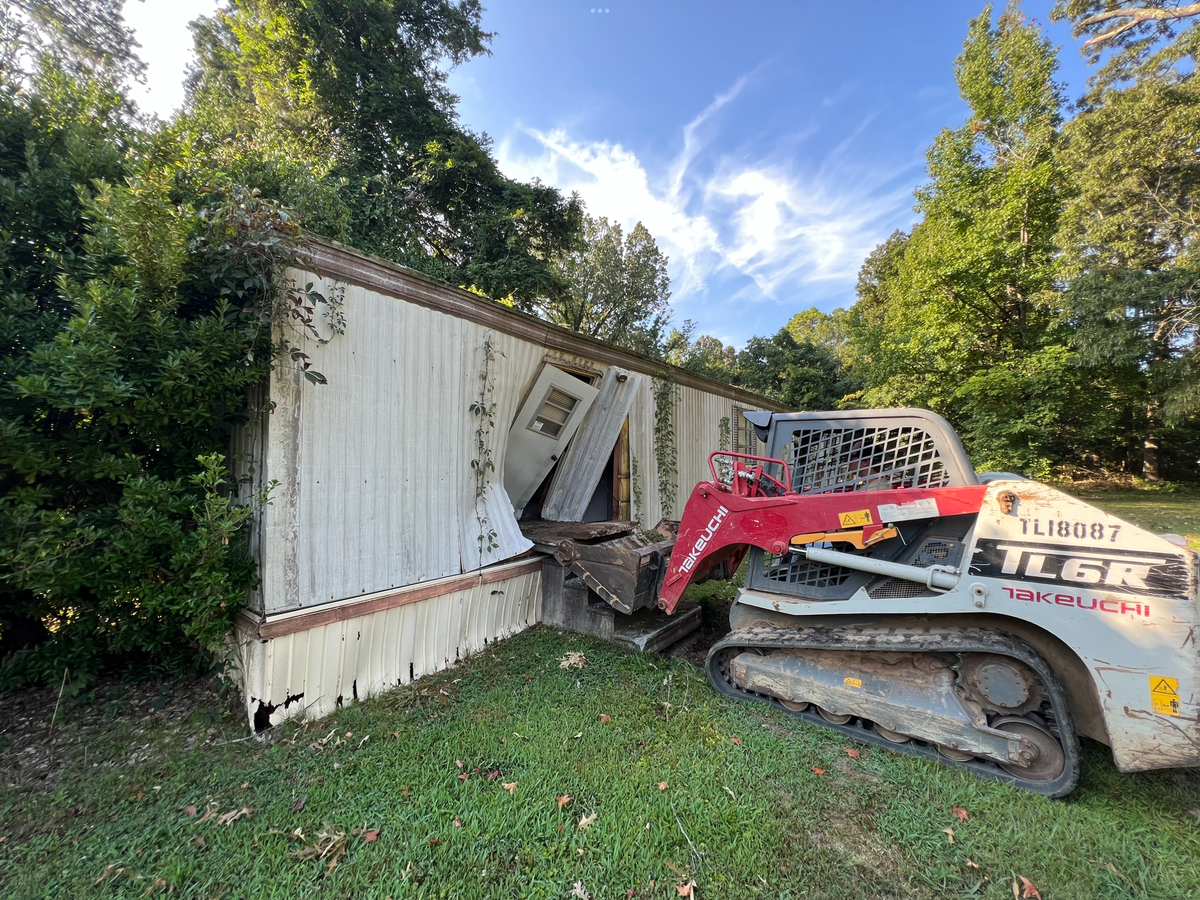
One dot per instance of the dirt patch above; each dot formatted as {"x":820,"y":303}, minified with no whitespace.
{"x":714,"y":625}
{"x":114,"y":723}
{"x":842,"y":835}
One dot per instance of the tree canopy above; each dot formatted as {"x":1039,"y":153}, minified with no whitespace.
{"x":340,"y":108}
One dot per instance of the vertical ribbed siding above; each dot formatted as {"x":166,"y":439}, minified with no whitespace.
{"x":247,"y":469}
{"x":516,"y":365}
{"x":376,"y":487}
{"x":324,"y":667}
{"x":379,"y":490}
{"x":697,"y":420}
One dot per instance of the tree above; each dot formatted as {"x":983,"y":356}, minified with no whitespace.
{"x":84,"y":38}
{"x":822,"y":329}
{"x":617,"y":288}
{"x":962,"y":315}
{"x":799,"y":374}
{"x":706,"y":355}
{"x":342,"y":109}
{"x":1129,"y":248}
{"x":1142,"y":38}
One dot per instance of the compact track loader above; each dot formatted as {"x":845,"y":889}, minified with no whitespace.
{"x":900,"y":599}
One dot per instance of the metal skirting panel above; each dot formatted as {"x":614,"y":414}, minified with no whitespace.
{"x":311,"y":673}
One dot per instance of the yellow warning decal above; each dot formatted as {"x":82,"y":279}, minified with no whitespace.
{"x":853,"y":682}
{"x":856,"y":519}
{"x":1164,"y":695}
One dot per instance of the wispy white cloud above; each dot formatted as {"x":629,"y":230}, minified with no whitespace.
{"x":786,"y":228}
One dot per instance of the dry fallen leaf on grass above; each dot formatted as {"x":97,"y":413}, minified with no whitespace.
{"x":330,"y":845}
{"x":511,"y":787}
{"x":464,"y":776}
{"x":299,"y":804}
{"x":972,"y":864}
{"x":580,"y":892}
{"x":605,"y":718}
{"x":210,"y":813}
{"x":233,"y":815}
{"x":573,"y":660}
{"x":113,"y":869}
{"x":433,"y":842}
{"x":662,"y":785}
{"x":458,"y":763}
{"x":1029,"y":889}
{"x":818,"y":771}
{"x":949,"y":832}
{"x":158,"y":884}
{"x":586,"y":822}
{"x":960,"y":812}
{"x":189,"y":810}
{"x":686,"y":890}
{"x":852,"y":753}
{"x":457,"y":822}
{"x":369,"y":837}
{"x":564,"y":800}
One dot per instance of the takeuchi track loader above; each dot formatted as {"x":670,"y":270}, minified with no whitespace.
{"x":897,"y":597}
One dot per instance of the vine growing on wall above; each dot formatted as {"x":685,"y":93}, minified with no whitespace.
{"x":484,"y":410}
{"x":665,"y":455}
{"x":245,"y":244}
{"x":724,"y":437}
{"x":635,"y":484}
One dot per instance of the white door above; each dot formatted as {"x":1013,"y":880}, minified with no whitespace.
{"x":542,"y":429}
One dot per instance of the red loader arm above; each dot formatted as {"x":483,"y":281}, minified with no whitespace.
{"x":721,"y":522}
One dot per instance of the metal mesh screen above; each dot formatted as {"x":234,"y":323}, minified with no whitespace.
{"x":896,"y":589}
{"x":795,"y":569}
{"x":840,"y":460}
{"x":938,"y":552}
{"x":934,"y":552}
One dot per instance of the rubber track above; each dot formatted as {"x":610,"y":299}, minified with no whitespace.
{"x":947,"y":640}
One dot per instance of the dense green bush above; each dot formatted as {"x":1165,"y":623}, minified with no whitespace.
{"x":136,"y":327}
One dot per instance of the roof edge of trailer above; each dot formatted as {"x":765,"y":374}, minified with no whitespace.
{"x":334,"y":260}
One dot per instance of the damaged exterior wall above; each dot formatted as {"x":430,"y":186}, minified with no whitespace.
{"x":696,"y":419}
{"x":313,"y":671}
{"x":581,"y":467}
{"x":375,"y":490}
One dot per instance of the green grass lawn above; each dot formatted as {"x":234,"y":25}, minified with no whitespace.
{"x":1155,"y":510}
{"x":454,"y":787}
{"x":683,"y":786}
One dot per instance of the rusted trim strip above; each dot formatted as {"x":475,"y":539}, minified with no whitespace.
{"x":345,"y":264}
{"x":414,"y":593}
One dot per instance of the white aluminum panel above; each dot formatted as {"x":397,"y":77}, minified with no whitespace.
{"x":377,"y":489}
{"x":318,"y":669}
{"x":583,"y":464}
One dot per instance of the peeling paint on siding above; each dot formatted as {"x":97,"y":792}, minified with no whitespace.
{"x":306,"y":673}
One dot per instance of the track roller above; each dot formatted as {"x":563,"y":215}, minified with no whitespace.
{"x":975,"y":698}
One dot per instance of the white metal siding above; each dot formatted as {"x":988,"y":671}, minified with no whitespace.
{"x":376,"y":486}
{"x":321,"y":667}
{"x":697,"y":419}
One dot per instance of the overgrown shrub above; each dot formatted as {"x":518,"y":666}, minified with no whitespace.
{"x":139,"y":317}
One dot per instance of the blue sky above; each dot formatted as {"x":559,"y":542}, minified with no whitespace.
{"x":768,"y":145}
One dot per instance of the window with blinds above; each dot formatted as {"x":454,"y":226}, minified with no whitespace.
{"x":554,"y":412}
